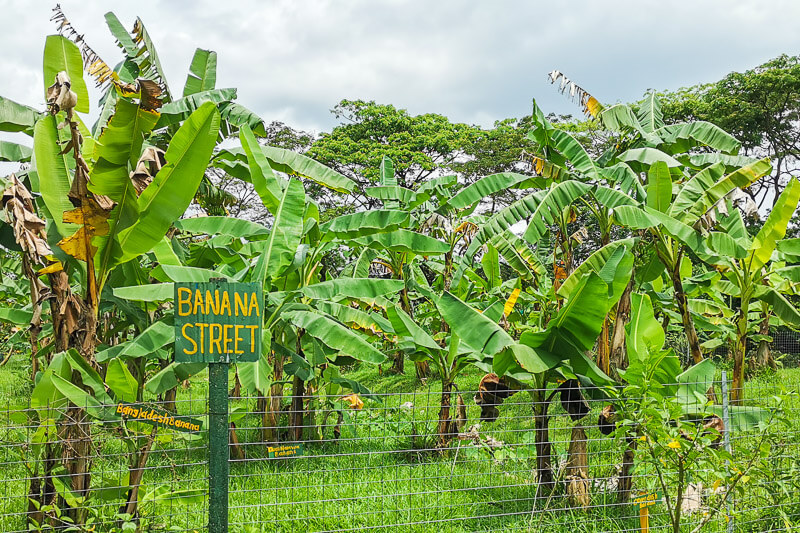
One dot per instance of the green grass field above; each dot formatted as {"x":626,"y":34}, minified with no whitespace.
{"x":383,"y":472}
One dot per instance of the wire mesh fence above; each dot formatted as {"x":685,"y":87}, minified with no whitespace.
{"x":61,"y":466}
{"x":493,"y":459}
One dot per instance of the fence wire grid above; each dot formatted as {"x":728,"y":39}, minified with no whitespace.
{"x":385,"y":466}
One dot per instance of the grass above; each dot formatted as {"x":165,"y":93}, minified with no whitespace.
{"x":383,"y":473}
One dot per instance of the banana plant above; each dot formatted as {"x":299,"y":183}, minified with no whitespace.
{"x":750,"y":273}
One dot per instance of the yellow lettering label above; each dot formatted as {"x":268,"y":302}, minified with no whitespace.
{"x":184,"y":298}
{"x":254,"y":304}
{"x":214,"y":338}
{"x":225,"y":306}
{"x":188,"y":338}
{"x":240,"y":304}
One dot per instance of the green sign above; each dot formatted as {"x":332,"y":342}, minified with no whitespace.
{"x":285,"y":450}
{"x":218,"y":322}
{"x":156,"y":417}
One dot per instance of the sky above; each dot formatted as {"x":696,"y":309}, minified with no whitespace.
{"x":474,"y":62}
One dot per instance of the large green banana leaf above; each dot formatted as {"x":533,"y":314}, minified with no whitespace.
{"x":61,"y":54}
{"x":233,"y":227}
{"x":302,"y":166}
{"x":285,"y":235}
{"x":405,"y":326}
{"x":154,"y":292}
{"x":575,"y":328}
{"x":642,"y":218}
{"x":17,"y":117}
{"x":650,"y":115}
{"x":117,"y":151}
{"x":774,"y":227}
{"x":684,"y":136}
{"x":404,"y":241}
{"x":266,"y":184}
{"x":489,"y":185}
{"x":351,"y":288}
{"x":659,"y":187}
{"x":53,"y":169}
{"x":542,"y":207}
{"x":640,"y":159}
{"x":334,"y":335}
{"x":173,"y":188}
{"x":172,"y":376}
{"x":364,"y":223}
{"x":179,"y":110}
{"x":202,"y":72}
{"x":391,"y":194}
{"x":518,"y":256}
{"x":255,"y":377}
{"x":14,"y":153}
{"x":355,"y":317}
{"x":740,"y":178}
{"x":574,"y":151}
{"x":692,"y":190}
{"x":475,"y":329}
{"x":596,"y":263}
{"x":782,"y":308}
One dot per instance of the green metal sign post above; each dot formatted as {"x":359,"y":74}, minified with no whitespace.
{"x":218,"y":323}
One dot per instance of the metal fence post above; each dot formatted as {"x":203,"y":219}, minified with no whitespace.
{"x":726,"y":440}
{"x":218,"y":452}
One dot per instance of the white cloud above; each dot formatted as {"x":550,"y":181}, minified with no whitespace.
{"x":472,"y":61}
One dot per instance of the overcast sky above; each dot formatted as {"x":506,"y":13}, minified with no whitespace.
{"x":474,"y":62}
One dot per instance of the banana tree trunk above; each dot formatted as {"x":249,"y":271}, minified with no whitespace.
{"x":625,"y":483}
{"x":296,"y":411}
{"x":272,"y":410}
{"x":686,"y":317}
{"x":739,"y":349}
{"x":764,"y":357}
{"x":446,"y":427}
{"x":544,"y":453}
{"x":577,"y":474}
{"x":619,"y":357}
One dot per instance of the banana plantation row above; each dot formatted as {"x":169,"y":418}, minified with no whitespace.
{"x":99,"y":221}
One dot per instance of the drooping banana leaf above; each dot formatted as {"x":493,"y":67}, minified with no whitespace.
{"x":17,"y":117}
{"x":303,"y":166}
{"x":364,"y":223}
{"x":487,"y":186}
{"x":14,"y":153}
{"x":334,"y":335}
{"x":173,"y":188}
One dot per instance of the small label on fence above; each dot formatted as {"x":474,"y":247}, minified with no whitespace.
{"x":646,"y":499}
{"x":155,"y":417}
{"x":287,"y":450}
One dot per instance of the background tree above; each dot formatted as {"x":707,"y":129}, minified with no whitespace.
{"x":759,"y":107}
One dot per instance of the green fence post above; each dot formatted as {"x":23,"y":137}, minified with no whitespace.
{"x":218,"y":452}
